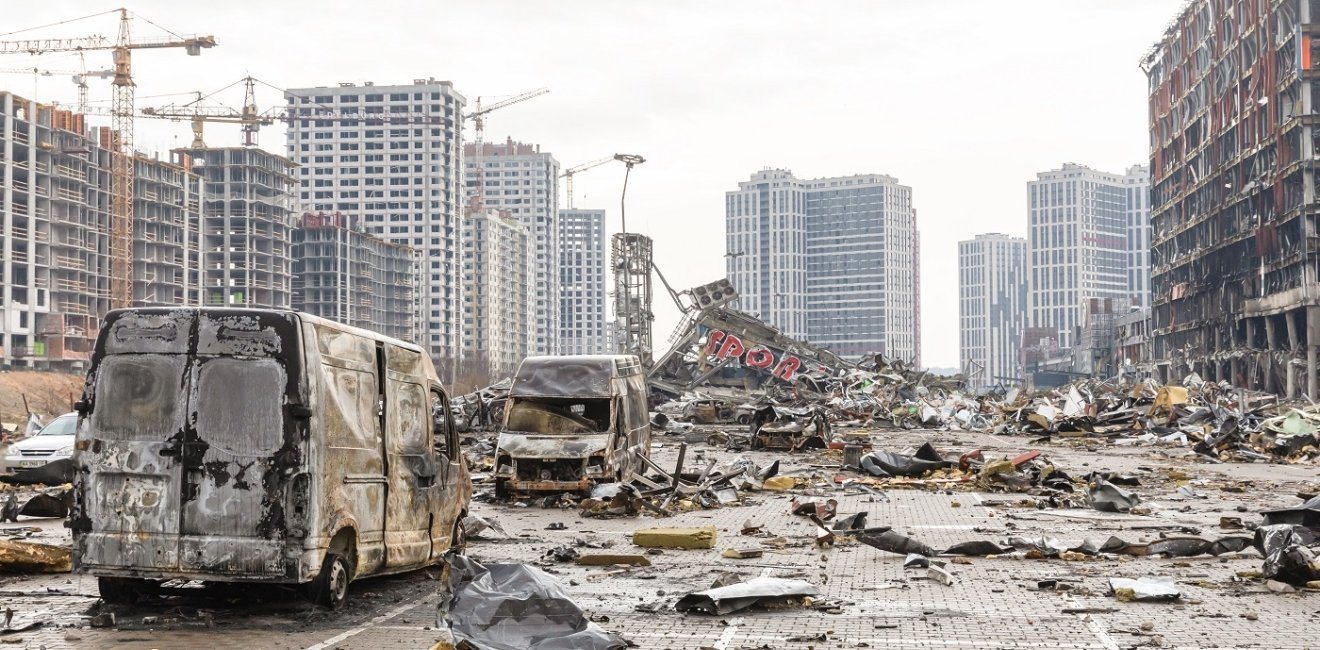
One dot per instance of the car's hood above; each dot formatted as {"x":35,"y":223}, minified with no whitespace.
{"x":43,"y":443}
{"x":531,"y":445}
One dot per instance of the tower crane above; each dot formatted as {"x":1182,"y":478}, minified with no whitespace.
{"x":79,"y":79}
{"x":252,"y":118}
{"x":121,"y":184}
{"x":478,"y":118}
{"x":199,"y":115}
{"x":568,"y":174}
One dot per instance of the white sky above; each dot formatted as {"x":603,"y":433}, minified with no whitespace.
{"x":964,"y":100}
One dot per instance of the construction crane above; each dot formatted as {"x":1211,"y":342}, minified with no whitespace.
{"x":121,"y":177}
{"x":195,"y":112}
{"x":568,"y":174}
{"x":478,"y":117}
{"x":79,"y":79}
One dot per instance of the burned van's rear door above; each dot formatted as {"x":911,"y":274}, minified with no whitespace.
{"x":132,"y":441}
{"x":239,"y":427}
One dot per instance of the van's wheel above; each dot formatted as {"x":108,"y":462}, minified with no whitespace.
{"x":125,"y":591}
{"x":330,"y":588}
{"x":502,"y":489}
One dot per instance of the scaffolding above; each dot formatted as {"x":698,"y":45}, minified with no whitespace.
{"x":630,"y":256}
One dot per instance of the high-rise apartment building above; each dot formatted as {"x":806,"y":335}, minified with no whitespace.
{"x":831,"y":260}
{"x":346,"y":275}
{"x":247,"y":223}
{"x":496,"y":271}
{"x":1077,"y":246}
{"x":523,"y":181}
{"x":583,"y":319}
{"x":1234,"y":198}
{"x":992,"y":298}
{"x":1136,"y":184}
{"x":392,"y":156}
{"x":765,"y":225}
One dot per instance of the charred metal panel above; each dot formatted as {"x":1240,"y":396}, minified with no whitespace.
{"x":162,"y":333}
{"x":585,"y":376}
{"x":238,"y":417}
{"x":186,"y":445}
{"x":352,"y":483}
{"x":411,"y":465}
{"x":131,"y":501}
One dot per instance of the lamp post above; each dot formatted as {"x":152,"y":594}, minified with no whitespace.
{"x":629,"y":160}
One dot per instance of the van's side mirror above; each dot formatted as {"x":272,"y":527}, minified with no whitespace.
{"x":82,"y":406}
{"x":300,"y":411}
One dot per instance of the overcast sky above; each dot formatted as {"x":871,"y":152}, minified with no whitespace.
{"x":963,"y":100}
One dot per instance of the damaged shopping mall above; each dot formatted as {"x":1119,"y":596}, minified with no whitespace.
{"x":1234,"y":204}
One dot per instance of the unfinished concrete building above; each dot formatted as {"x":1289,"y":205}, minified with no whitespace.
{"x":1233,"y":140}
{"x":54,"y":229}
{"x":346,"y":275}
{"x":167,"y":238}
{"x":247,"y":223}
{"x":497,"y":250}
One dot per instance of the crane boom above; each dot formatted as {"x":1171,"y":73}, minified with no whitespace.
{"x":199,"y":115}
{"x":121,"y":176}
{"x":479,"y":122}
{"x":568,"y":174}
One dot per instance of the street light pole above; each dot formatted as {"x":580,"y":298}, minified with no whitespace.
{"x":629,"y":160}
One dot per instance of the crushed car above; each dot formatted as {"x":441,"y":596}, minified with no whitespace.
{"x":573,"y":421}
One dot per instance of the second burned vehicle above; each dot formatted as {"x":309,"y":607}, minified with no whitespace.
{"x":571,"y":421}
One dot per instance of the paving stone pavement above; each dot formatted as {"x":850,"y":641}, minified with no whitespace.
{"x":994,"y":603}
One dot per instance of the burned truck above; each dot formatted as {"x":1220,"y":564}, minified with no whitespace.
{"x":262,"y":446}
{"x":571,"y":421}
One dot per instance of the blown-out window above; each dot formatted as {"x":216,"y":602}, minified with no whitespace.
{"x":139,"y":397}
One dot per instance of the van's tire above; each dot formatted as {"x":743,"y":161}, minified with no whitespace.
{"x":330,"y":588}
{"x":125,"y":591}
{"x":502,"y":489}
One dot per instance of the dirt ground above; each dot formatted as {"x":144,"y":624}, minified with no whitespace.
{"x":49,"y":394}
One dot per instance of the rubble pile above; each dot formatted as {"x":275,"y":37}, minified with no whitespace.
{"x":1214,"y":421}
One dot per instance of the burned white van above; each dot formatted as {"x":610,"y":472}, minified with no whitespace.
{"x":248,"y":445}
{"x":570,"y":421}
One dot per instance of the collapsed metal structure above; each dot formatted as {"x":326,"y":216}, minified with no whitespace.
{"x":723,"y":347}
{"x":630,"y":256}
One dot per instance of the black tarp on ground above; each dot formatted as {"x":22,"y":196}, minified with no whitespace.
{"x":517,"y":607}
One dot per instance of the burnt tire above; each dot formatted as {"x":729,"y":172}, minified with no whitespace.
{"x":502,"y":489}
{"x":330,"y":588}
{"x":125,"y":591}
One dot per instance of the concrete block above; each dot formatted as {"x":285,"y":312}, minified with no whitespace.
{"x":675,"y":537}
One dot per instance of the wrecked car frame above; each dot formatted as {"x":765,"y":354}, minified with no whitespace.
{"x":234,"y":445}
{"x":571,"y":421}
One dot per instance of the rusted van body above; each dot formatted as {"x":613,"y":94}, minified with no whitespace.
{"x":573,"y":420}
{"x":248,"y":445}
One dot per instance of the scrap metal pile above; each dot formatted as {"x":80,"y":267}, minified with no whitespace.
{"x":732,"y":369}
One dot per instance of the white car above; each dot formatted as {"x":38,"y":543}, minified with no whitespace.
{"x":54,"y":442}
